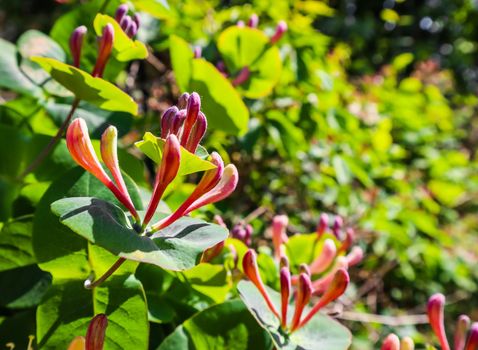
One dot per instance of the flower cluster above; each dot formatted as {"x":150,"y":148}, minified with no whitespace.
{"x":215,"y":184}
{"x":303,"y":292}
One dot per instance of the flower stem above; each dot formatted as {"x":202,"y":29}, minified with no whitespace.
{"x":90,"y":285}
{"x":44,"y":153}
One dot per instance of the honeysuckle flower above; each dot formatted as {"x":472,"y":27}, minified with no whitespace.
{"x":95,"y":336}
{"x":338,"y":223}
{"x":131,"y":29}
{"x":121,"y":11}
{"x":212,"y":252}
{"x":285,"y":287}
{"x":347,"y":242}
{"x":82,"y":151}
{"x":166,"y":120}
{"x":472,"y":342}
{"x":279,"y":235}
{"x":325,"y":259}
{"x":280,"y":30}
{"x":354,"y":257}
{"x":177,"y":122}
{"x":302,"y":298}
{"x":435,"y":310}
{"x":249,"y":265}
{"x":324,"y":282}
{"x":243,"y":233}
{"x":242,"y":76}
{"x":183,"y":100}
{"x":168,"y":169}
{"x":137,"y":20}
{"x":462,"y":326}
{"x":197,"y":52}
{"x":391,"y":342}
{"x":197,"y":133}
{"x":322,"y":225}
{"x":76,"y":43}
{"x":104,"y":51}
{"x":192,"y":114}
{"x":253,"y":21}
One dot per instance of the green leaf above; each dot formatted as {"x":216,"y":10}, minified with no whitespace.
{"x":321,"y":332}
{"x":224,"y":326}
{"x":249,"y":47}
{"x":88,"y":88}
{"x":181,"y":60}
{"x":15,"y":244}
{"x":124,"y":48}
{"x":153,"y":147}
{"x":176,"y":247}
{"x":210,"y":280}
{"x":156,"y":8}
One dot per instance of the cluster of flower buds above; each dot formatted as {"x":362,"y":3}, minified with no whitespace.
{"x":95,"y":335}
{"x":130,"y":25}
{"x":242,"y":232}
{"x":215,"y":184}
{"x":303,"y":292}
{"x":187,"y":122}
{"x":392,"y":342}
{"x":465,"y":337}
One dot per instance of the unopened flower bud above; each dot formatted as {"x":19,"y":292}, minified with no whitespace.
{"x":248,"y":236}
{"x":407,"y":344}
{"x":125,"y":22}
{"x":435,"y":311}
{"x":221,"y":67}
{"x":284,"y":261}
{"x":105,"y":48}
{"x":167,"y":119}
{"x":121,"y":12}
{"x":391,"y":342}
{"x":338,"y":223}
{"x":238,"y":232}
{"x":347,"y":242}
{"x":304,"y":292}
{"x":242,"y":77}
{"x":177,"y":122}
{"x":197,"y":133}
{"x":304,"y":268}
{"x":285,"y":287}
{"x":183,"y":100}
{"x":137,"y":20}
{"x":212,"y":252}
{"x":280,"y":30}
{"x":95,"y":336}
{"x":192,"y":113}
{"x":462,"y":325}
{"x":253,"y":21}
{"x":249,"y":265}
{"x":325,"y":259}
{"x":76,"y":43}
{"x":323,"y":283}
{"x":355,"y":256}
{"x":323,"y":224}
{"x":197,"y":52}
{"x":472,"y":342}
{"x":131,"y":30}
{"x":279,"y":236}
{"x":219,"y":220}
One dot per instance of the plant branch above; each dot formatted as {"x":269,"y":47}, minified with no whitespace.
{"x":384,"y":320}
{"x":90,"y":285}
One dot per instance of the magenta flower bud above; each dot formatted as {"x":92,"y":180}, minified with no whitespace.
{"x":166,"y":120}
{"x":325,"y":259}
{"x":183,"y":100}
{"x":197,"y":133}
{"x":106,"y":46}
{"x":304,"y":292}
{"x":131,"y":30}
{"x":354,"y":257}
{"x":435,"y":311}
{"x":323,"y":224}
{"x":338,"y":223}
{"x":239,"y":232}
{"x":285,"y":287}
{"x":248,"y":237}
{"x":472,"y":343}
{"x":121,"y":12}
{"x":219,"y":220}
{"x":391,"y":342}
{"x":279,"y":236}
{"x":125,"y":22}
{"x":249,"y":265}
{"x":177,"y":122}
{"x":137,"y":20}
{"x":240,"y":24}
{"x":221,"y":67}
{"x":197,"y":51}
{"x":76,"y":43}
{"x":192,"y":109}
{"x":242,"y":77}
{"x":280,"y":30}
{"x":95,"y":336}
{"x":462,"y":325}
{"x":253,"y":21}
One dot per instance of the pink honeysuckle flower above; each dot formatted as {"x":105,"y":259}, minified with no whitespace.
{"x":335,"y":290}
{"x":323,"y":283}
{"x":355,"y":256}
{"x":435,"y":310}
{"x":121,"y":11}
{"x":325,"y":259}
{"x":125,"y":22}
{"x":168,"y":169}
{"x":243,"y":233}
{"x":279,"y":236}
{"x":280,"y":30}
{"x":347,"y":242}
{"x":82,"y":151}
{"x":197,"y":133}
{"x":302,"y":298}
{"x":391,"y":342}
{"x":285,"y":287}
{"x":338,"y":223}
{"x":166,"y":120}
{"x":461,"y":329}
{"x":132,"y":29}
{"x":192,"y":113}
{"x":105,"y":48}
{"x":253,"y":21}
{"x":472,"y":342}
{"x":249,"y":265}
{"x":177,"y":122}
{"x":322,"y":225}
{"x":95,"y":336}
{"x":183,"y":100}
{"x":76,"y":43}
{"x":242,"y":76}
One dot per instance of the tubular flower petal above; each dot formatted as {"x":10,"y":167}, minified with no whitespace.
{"x":472,"y":342}
{"x":109,"y":144}
{"x":197,"y":133}
{"x":322,"y":284}
{"x":137,"y":20}
{"x":166,"y":120}
{"x":354,"y":257}
{"x":326,"y":257}
{"x":391,"y":342}
{"x":435,"y":310}
{"x":125,"y":22}
{"x":304,"y":268}
{"x":121,"y":12}
{"x":302,"y":298}
{"x":249,"y":264}
{"x":336,"y":289}
{"x":168,"y":169}
{"x":106,"y":45}
{"x":192,"y":113}
{"x":285,"y":287}
{"x":183,"y":100}
{"x":132,"y":29}
{"x":212,"y":252}
{"x":177,"y":122}
{"x":280,"y":30}
{"x":253,"y":21}
{"x":95,"y":336}
{"x":76,"y":43}
{"x":349,"y":237}
{"x":338,"y":223}
{"x":462,"y":325}
{"x":322,"y":225}
{"x":407,"y":344}
{"x":279,"y":236}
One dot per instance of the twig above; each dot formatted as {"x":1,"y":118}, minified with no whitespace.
{"x":254,"y":214}
{"x":385,"y":320}
{"x":155,"y":62}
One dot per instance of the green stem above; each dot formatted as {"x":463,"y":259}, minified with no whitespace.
{"x":104,"y":6}
{"x":90,"y":285}
{"x":44,"y":153}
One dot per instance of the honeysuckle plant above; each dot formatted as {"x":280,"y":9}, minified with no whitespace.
{"x":173,"y":240}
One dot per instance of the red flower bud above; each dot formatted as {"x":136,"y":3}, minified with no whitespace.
{"x":121,"y":12}
{"x":323,"y":224}
{"x":347,"y":242}
{"x":167,"y":119}
{"x":391,"y":342}
{"x":338,"y":223}
{"x":177,"y":122}
{"x":285,"y":287}
{"x":183,"y":100}
{"x":462,"y":325}
{"x":193,"y":108}
{"x":197,"y":133}
{"x":322,"y":284}
{"x":284,"y":261}
{"x":95,"y":336}
{"x":435,"y":310}
{"x":279,"y":236}
{"x":242,"y":77}
{"x":105,"y":48}
{"x":76,"y":43}
{"x":472,"y":343}
{"x":326,"y":257}
{"x":212,"y":252}
{"x":132,"y":29}
{"x":280,"y":30}
{"x":253,"y":21}
{"x":304,"y":292}
{"x":249,"y":264}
